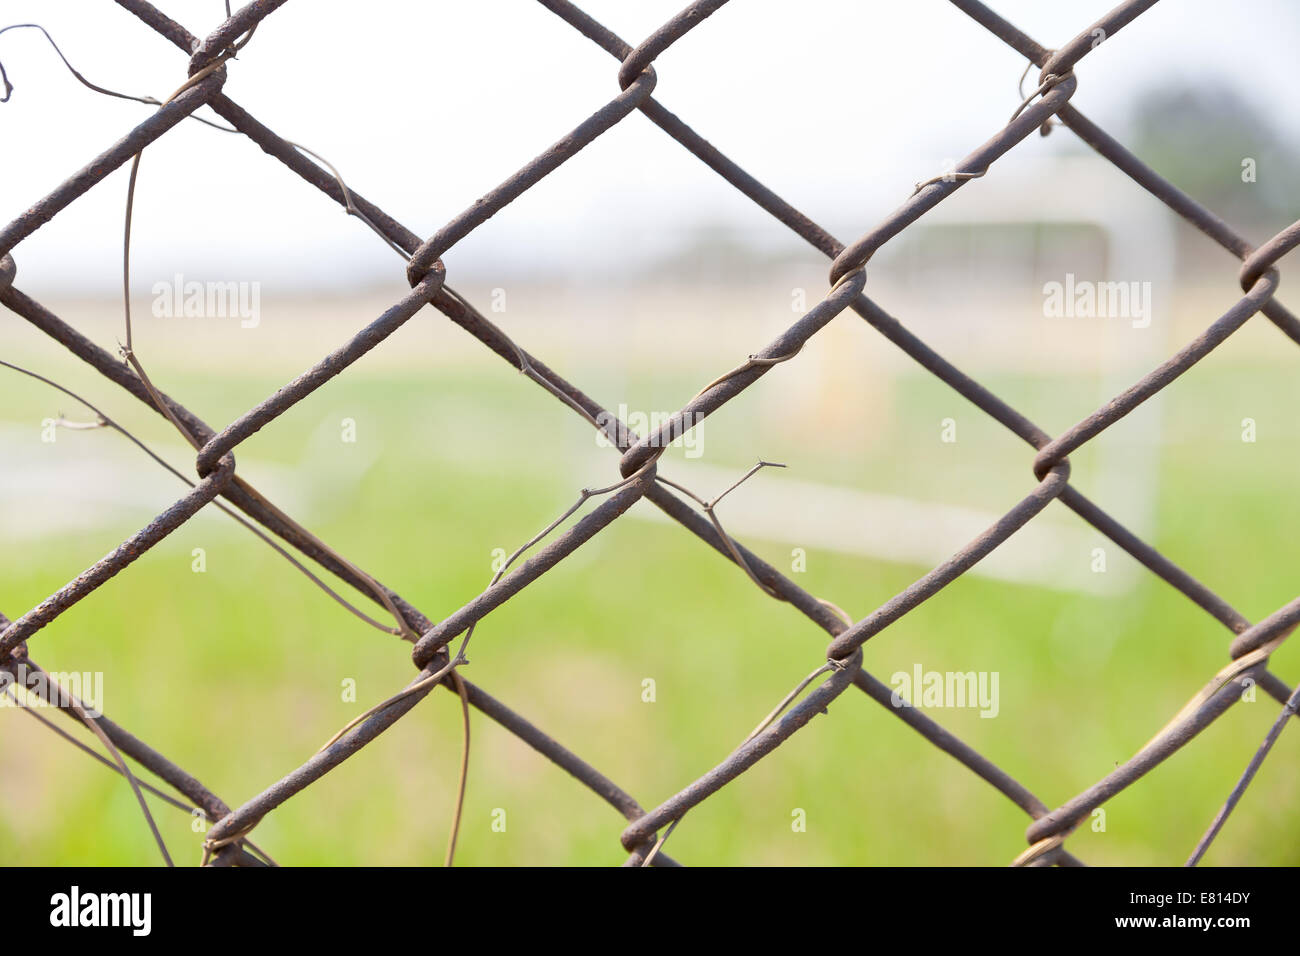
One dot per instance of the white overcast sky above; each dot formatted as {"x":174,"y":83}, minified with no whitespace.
{"x":424,"y":106}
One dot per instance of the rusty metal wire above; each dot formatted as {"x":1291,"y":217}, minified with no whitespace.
{"x":1050,"y":104}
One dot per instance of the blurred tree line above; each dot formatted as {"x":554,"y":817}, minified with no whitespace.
{"x":1225,"y":151}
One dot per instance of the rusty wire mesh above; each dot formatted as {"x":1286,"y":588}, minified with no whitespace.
{"x":227,"y":841}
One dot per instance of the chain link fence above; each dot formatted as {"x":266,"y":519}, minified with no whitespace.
{"x":219,"y":483}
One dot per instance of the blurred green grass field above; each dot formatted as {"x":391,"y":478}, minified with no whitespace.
{"x":237,"y":673}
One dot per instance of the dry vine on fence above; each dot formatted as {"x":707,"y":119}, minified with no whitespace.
{"x":228,"y":840}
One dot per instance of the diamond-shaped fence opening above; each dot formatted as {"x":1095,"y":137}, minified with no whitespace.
{"x":439,"y":646}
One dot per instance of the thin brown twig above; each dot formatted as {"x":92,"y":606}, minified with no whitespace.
{"x":709,"y":507}
{"x":1229,"y":672}
{"x":752,"y":362}
{"x":163,"y":795}
{"x":248,"y":525}
{"x":460,"y":658}
{"x":659,"y":844}
{"x":1051,"y":122}
{"x":404,"y":627}
{"x":92,"y":723}
{"x":1039,"y":850}
{"x":1288,"y":711}
{"x":90,"y":751}
{"x":777,"y":711}
{"x":463,"y":780}
{"x":147,"y":100}
{"x":1049,"y":81}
